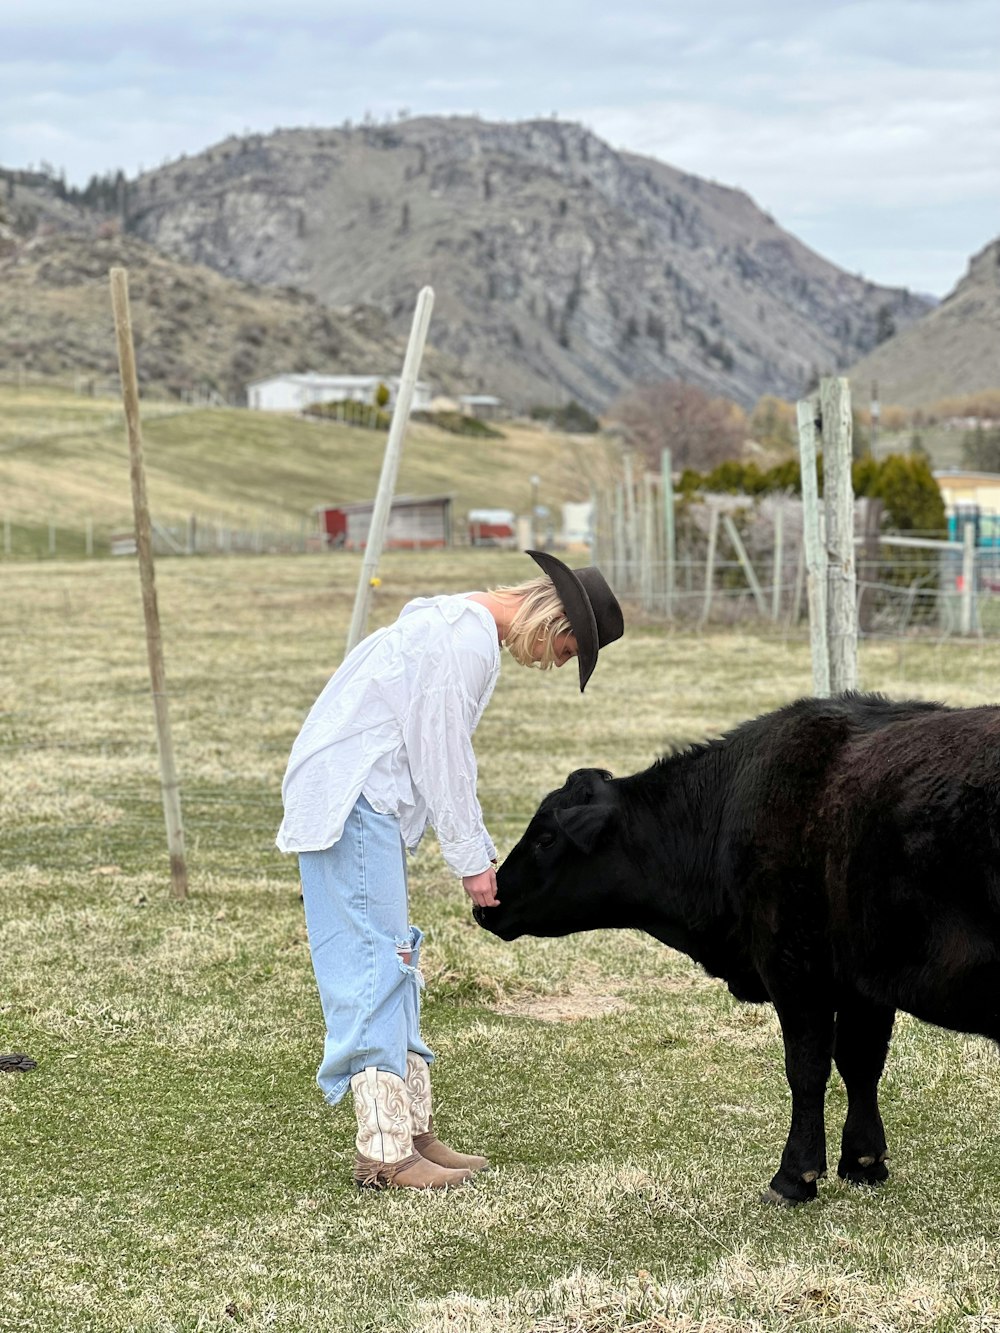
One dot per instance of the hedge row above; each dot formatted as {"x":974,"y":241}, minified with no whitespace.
{"x":904,"y":484}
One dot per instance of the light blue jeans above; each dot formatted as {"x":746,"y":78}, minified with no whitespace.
{"x":365,"y":954}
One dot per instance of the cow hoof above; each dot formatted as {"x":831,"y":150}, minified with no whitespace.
{"x":775,"y":1199}
{"x":785,"y":1191}
{"x":864,"y":1170}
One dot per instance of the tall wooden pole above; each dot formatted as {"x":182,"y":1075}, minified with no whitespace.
{"x":390,"y":465}
{"x":815,"y":554}
{"x":144,"y":548}
{"x":841,"y":578}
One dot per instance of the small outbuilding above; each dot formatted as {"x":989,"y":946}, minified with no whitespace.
{"x":416,"y":523}
{"x":483,"y":406}
{"x":294,"y":393}
{"x":492,"y":527}
{"x":971,"y":497}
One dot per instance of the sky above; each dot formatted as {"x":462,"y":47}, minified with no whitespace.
{"x":870,"y":129}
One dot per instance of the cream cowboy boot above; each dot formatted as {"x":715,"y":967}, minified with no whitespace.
{"x":418,"y":1085}
{"x":386,"y":1155}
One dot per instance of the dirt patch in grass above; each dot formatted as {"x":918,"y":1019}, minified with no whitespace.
{"x":575,"y":1005}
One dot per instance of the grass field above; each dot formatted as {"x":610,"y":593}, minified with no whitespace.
{"x":64,"y":460}
{"x":170,"y":1165}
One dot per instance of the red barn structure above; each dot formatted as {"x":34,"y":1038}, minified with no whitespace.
{"x":416,"y":523}
{"x":492,"y":527}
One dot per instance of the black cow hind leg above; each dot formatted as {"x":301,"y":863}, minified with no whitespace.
{"x":860,"y":1046}
{"x":807,"y":1031}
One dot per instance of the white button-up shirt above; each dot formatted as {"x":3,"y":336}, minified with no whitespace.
{"x":395,"y":724}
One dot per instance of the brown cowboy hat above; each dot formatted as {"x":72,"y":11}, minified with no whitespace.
{"x":590,"y":606}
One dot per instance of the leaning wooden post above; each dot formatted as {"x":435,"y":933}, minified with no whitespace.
{"x":390,"y":465}
{"x":744,"y":559}
{"x":144,"y":548}
{"x":842,"y":594}
{"x":815,"y":555}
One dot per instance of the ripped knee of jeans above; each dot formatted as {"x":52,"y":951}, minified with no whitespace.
{"x":408,"y":953}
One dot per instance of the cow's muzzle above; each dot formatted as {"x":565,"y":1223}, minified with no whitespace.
{"x":492,"y":919}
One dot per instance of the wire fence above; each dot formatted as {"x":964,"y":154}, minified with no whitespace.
{"x":735,"y":562}
{"x":59,"y":539}
{"x":250,"y":641}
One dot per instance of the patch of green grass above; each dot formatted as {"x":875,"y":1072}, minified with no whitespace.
{"x":170,"y":1164}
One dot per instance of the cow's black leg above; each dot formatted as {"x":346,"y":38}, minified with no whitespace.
{"x":807,"y":1030}
{"x":860,"y":1046}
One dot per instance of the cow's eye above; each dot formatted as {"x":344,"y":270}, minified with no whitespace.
{"x":545,"y":840}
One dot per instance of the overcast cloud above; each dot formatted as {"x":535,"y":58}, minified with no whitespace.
{"x":868,"y":128}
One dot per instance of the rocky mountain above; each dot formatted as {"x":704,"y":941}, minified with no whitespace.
{"x":196,"y":332}
{"x":953,"y":350}
{"x":561,"y":267}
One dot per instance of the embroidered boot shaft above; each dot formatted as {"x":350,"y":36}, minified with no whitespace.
{"x":427,"y":1144}
{"x":386,"y":1153}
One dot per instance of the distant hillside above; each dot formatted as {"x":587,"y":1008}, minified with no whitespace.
{"x":64,"y":459}
{"x":953,"y":350}
{"x":561,"y":267}
{"x":195,"y":331}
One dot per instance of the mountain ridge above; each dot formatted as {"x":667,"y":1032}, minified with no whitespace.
{"x":954,"y":350}
{"x":562,"y":268}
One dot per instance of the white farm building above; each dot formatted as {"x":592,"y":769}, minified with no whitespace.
{"x":294,"y":393}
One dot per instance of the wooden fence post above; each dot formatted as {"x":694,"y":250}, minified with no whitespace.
{"x":777,"y":563}
{"x":795,"y":612}
{"x":649,"y":525}
{"x":631,"y":525}
{"x":842,"y":600}
{"x":968,"y":576}
{"x":144,"y":548}
{"x":669,"y":529}
{"x":871,"y":520}
{"x":713,"y":536}
{"x":815,"y":555}
{"x":619,"y":543}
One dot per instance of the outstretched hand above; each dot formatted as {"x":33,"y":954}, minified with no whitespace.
{"x":482,"y":888}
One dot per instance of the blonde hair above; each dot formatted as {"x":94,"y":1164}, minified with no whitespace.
{"x":539,"y":614}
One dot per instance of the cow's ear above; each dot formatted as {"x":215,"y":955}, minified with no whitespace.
{"x":584,"y":824}
{"x":584,"y":784}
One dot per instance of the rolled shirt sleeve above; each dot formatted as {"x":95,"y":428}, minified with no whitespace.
{"x":437,"y":734}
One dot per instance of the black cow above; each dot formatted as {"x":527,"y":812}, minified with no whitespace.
{"x":838,"y":858}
